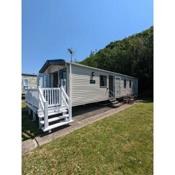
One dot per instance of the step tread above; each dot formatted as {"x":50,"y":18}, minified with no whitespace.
{"x":117,"y":104}
{"x":53,"y":112}
{"x":56,"y":125}
{"x":53,"y":119}
{"x":66,"y":115}
{"x":63,"y":110}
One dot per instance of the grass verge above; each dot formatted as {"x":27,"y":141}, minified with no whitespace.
{"x":121,"y":144}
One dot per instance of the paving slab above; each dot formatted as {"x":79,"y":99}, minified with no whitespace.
{"x":29,"y":145}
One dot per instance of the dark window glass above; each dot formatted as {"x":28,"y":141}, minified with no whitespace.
{"x":130,"y":83}
{"x":124,"y":83}
{"x":103,"y":81}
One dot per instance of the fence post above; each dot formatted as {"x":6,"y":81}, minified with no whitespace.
{"x":45,"y":115}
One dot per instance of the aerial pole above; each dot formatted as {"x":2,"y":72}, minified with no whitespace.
{"x":70,"y":83}
{"x":70,"y":50}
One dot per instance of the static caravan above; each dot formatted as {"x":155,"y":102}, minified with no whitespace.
{"x":63,"y":85}
{"x":29,"y":81}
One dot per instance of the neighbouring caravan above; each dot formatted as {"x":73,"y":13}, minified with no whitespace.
{"x":29,"y":81}
{"x":62,"y":85}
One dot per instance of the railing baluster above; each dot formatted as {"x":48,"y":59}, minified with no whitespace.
{"x":50,"y":97}
{"x":59,"y":96}
{"x":56,"y":96}
{"x":46,"y":95}
{"x":53,"y":96}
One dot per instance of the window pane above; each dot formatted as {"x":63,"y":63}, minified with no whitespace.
{"x":25,"y":82}
{"x":103,"y":81}
{"x":124,"y":83}
{"x":130,"y":83}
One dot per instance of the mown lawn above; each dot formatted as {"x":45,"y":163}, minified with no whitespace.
{"x":29,"y":127}
{"x":121,"y":144}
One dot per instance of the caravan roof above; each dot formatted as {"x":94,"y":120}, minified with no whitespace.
{"x":62,"y":62}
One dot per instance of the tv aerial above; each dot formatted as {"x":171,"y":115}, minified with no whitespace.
{"x":71,"y":51}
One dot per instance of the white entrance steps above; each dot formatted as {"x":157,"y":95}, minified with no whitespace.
{"x":56,"y":125}
{"x":114,"y":103}
{"x":53,"y":119}
{"x":53,"y":111}
{"x":53,"y":107}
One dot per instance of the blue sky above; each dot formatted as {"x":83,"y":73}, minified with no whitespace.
{"x":49,"y":27}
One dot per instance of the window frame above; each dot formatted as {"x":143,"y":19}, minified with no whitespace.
{"x":105,"y":81}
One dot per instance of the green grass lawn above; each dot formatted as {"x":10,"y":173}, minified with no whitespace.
{"x":29,"y":128}
{"x":121,"y":144}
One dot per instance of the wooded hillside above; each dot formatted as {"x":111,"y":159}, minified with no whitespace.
{"x":132,"y":56}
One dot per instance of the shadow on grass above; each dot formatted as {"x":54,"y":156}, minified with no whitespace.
{"x":146,"y":100}
{"x":29,"y":127}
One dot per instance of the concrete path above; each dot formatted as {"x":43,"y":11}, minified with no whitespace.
{"x":79,"y":122}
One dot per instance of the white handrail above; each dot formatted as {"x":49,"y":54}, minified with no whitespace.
{"x":41,"y":99}
{"x":65,"y":97}
{"x":65,"y":93}
{"x":44,"y":105}
{"x":41,"y":95}
{"x":65,"y":101}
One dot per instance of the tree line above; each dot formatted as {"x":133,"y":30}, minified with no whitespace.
{"x":132,"y":56}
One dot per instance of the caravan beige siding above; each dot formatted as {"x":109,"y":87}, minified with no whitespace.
{"x":82,"y":91}
{"x":128,"y":90}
